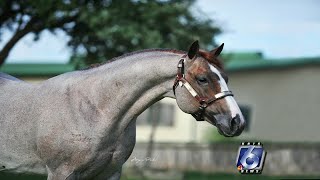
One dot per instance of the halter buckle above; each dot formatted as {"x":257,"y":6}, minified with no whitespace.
{"x":203,"y":103}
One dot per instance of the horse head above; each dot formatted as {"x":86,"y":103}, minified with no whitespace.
{"x":201,"y":90}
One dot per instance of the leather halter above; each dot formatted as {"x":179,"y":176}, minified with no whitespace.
{"x":204,"y":102}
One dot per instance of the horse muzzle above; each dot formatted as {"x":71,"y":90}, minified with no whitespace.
{"x":229,"y":126}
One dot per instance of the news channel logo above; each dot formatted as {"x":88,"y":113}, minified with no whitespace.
{"x":250,"y":159}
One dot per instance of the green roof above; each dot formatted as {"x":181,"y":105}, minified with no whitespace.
{"x":242,"y":55}
{"x":255,"y":61}
{"x":233,"y":62}
{"x":24,"y":69}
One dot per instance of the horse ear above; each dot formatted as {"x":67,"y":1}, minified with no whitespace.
{"x":216,"y":52}
{"x":193,"y":50}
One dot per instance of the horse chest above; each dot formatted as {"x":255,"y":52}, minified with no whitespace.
{"x":124,"y":144}
{"x":111,"y":156}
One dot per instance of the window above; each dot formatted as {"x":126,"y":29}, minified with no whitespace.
{"x":162,"y":113}
{"x":246,"y":112}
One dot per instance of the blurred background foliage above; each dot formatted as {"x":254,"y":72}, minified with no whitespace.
{"x":102,"y":29}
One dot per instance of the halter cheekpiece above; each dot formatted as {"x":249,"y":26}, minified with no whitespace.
{"x":204,"y":102}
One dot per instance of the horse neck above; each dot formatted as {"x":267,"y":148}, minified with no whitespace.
{"x":126,"y":87}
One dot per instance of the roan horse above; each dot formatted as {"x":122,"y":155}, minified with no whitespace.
{"x":81,"y":124}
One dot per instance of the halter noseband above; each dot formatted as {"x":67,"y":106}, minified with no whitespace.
{"x":203,"y":101}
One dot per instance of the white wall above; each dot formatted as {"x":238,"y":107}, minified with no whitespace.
{"x":285,"y":102}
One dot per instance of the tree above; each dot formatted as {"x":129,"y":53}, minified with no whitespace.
{"x":23,"y":17}
{"x":100,"y":30}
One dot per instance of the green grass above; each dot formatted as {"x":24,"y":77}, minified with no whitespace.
{"x":225,"y":176}
{"x":186,"y":176}
{"x":8,"y":176}
{"x":221,"y":176}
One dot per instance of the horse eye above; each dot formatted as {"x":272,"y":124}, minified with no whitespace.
{"x":202,"y":80}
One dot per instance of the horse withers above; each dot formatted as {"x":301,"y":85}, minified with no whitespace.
{"x":82,"y":124}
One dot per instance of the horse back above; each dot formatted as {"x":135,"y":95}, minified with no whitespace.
{"x":6,"y":77}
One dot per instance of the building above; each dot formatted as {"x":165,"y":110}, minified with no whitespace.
{"x":279,"y":97}
{"x":282,"y":96}
{"x":33,"y":72}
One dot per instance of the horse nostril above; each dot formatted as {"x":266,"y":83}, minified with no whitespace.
{"x":235,"y":121}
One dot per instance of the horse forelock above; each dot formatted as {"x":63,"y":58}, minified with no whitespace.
{"x":212,"y":59}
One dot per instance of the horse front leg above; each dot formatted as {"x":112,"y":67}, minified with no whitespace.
{"x":116,"y":175}
{"x":109,"y":175}
{"x":50,"y":175}
{"x":58,"y":176}
{"x":62,"y":174}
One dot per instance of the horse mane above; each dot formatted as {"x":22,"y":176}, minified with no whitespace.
{"x":206,"y":55}
{"x":133,"y":53}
